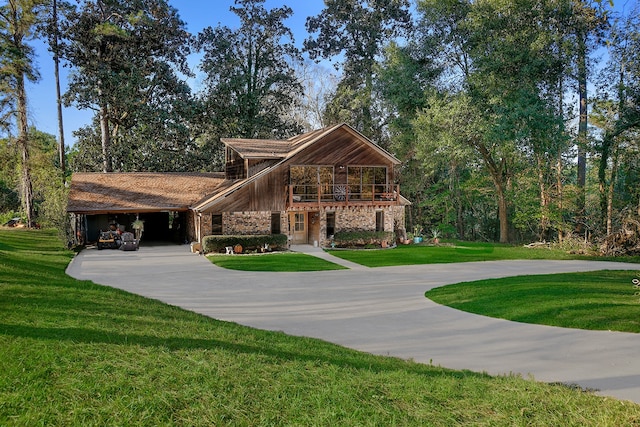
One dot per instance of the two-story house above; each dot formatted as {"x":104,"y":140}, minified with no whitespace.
{"x":308,"y":187}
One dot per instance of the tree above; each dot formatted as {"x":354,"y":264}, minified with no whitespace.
{"x":318,"y":84}
{"x":18,"y":23}
{"x":126,"y":55}
{"x":250,"y":84}
{"x":406,"y":78}
{"x":53,"y":42}
{"x":616,"y":110}
{"x":357,"y":30}
{"x":584,"y":27}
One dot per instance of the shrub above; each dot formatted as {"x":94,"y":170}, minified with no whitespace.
{"x":362,"y":238}
{"x":248,"y":242}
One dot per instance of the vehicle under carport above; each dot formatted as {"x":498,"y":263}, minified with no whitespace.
{"x":161,"y":200}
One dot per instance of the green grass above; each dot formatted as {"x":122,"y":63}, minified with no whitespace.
{"x":75,"y":353}
{"x":602,"y":300}
{"x":460,"y":252}
{"x":281,"y":262}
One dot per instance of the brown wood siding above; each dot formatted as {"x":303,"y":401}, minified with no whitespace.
{"x":340,"y":148}
{"x":267,"y":193}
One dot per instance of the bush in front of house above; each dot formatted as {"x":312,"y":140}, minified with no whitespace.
{"x":362,"y":239}
{"x":248,"y":242}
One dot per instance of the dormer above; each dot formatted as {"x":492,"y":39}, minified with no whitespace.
{"x":246,"y":157}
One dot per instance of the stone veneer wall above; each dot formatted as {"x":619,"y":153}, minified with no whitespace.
{"x":352,"y":218}
{"x":361,"y":218}
{"x":192,"y":231}
{"x":246,"y":223}
{"x":205,"y":224}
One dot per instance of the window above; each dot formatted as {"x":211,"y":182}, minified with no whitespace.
{"x":331,"y":224}
{"x":275,"y":223}
{"x":366,"y":181}
{"x":216,"y":224}
{"x":308,"y":180}
{"x":299,"y":222}
{"x":379,"y":220}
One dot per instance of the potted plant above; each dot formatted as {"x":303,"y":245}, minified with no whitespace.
{"x":417,"y":234}
{"x":435,"y":234}
{"x":138,"y":227}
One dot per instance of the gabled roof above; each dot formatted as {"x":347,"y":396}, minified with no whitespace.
{"x":285,"y":149}
{"x":140,"y":191}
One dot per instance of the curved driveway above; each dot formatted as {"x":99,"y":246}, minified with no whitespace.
{"x":383,"y":311}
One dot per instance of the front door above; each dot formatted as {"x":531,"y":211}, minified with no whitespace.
{"x":298,"y":225}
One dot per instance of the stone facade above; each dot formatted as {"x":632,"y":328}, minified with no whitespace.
{"x":360,"y":218}
{"x":246,"y":223}
{"x":347,"y":218}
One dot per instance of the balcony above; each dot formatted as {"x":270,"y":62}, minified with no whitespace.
{"x":343,"y":195}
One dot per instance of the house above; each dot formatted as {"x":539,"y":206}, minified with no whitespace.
{"x":308,"y":187}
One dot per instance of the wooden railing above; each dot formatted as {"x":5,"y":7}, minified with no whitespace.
{"x":382,"y":194}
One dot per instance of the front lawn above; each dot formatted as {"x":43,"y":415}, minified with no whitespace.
{"x":282,"y":262}
{"x":457,"y":252}
{"x":76,"y":353}
{"x":601,"y":300}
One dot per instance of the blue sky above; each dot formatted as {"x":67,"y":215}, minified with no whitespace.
{"x":197,"y":14}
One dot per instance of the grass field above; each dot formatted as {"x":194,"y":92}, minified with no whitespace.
{"x":601,"y":300}
{"x":457,"y":252}
{"x":282,"y":262}
{"x":75,"y":353}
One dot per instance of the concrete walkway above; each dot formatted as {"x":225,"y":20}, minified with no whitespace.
{"x":383,"y":311}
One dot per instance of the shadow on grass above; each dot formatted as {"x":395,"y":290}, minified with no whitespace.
{"x":310,"y":350}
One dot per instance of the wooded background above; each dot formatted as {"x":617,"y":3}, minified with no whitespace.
{"x":514,"y":120}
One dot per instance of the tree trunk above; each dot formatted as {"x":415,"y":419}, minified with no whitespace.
{"x":544,"y":201}
{"x":498,"y":178}
{"x":607,"y":142}
{"x":612,"y":184}
{"x":559,"y":184}
{"x":107,"y":165}
{"x":503,"y":216}
{"x":56,"y":62}
{"x":582,"y":131}
{"x":23,"y":146}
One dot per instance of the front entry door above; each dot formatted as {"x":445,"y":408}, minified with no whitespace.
{"x":298,"y":224}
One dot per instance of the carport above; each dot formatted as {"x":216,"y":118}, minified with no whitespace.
{"x":162,"y":200}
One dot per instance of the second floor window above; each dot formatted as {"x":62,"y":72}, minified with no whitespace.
{"x":309,"y":182}
{"x":365,"y":181}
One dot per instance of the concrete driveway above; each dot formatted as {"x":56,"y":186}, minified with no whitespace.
{"x":383,"y":311}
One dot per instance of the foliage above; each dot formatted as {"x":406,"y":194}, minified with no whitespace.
{"x":248,"y":242}
{"x":19,"y":20}
{"x":73,"y":352}
{"x":357,"y":31}
{"x":126,"y":56}
{"x":250,"y":84}
{"x":346,"y":239}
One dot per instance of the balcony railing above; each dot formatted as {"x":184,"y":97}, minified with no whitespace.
{"x":383,"y":194}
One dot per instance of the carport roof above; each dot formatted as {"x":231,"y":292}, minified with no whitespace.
{"x":94,"y":193}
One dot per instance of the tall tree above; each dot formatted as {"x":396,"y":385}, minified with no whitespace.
{"x":126,"y":56}
{"x":18,"y":23}
{"x":616,"y":109}
{"x":357,"y":30}
{"x":406,"y":78}
{"x":250,"y":84}
{"x":54,"y":36}
{"x":586,"y":23}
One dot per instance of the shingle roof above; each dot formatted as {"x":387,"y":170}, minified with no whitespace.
{"x":270,"y":148}
{"x":140,"y":191}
